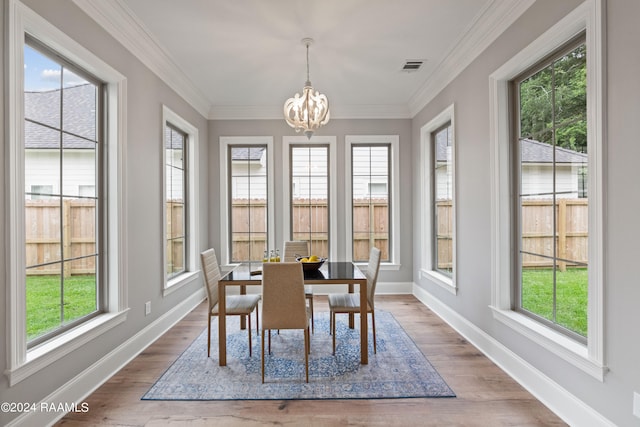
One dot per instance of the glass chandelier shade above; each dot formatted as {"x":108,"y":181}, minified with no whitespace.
{"x":309,"y":111}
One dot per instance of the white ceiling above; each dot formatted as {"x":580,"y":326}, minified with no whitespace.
{"x":244,"y":58}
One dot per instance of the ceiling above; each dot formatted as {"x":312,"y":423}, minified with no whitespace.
{"x":244,"y":58}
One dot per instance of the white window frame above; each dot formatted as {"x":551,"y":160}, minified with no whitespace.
{"x":589,"y":358}
{"x":428,"y":271}
{"x":23,"y":362}
{"x":225,"y":143}
{"x":287,"y":141}
{"x":191,"y":272}
{"x":394,"y":176}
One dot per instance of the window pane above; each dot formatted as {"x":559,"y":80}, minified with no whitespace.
{"x":80,"y":298}
{"x":78,"y":164}
{"x":443,"y":197}
{"x":41,"y":159}
{"x":175,"y":179}
{"x":79,"y":99}
{"x":43,"y":301}
{"x":310,"y":197}
{"x":370,"y":205}
{"x":248,"y":192}
{"x":553,"y":211}
{"x":42,"y":83}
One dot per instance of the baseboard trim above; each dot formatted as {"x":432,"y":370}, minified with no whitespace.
{"x":85,"y":383}
{"x":564,"y":404}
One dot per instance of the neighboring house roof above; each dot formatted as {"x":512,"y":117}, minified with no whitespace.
{"x":78,"y":118}
{"x":533,"y":151}
{"x":247,"y":153}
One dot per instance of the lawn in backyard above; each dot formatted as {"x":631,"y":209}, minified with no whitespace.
{"x":571,"y":295}
{"x":44,"y":301}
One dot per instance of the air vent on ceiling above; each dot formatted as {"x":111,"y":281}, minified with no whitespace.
{"x":412,"y":65}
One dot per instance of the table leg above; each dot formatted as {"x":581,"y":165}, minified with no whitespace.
{"x":222,"y":324}
{"x":364,"y":331}
{"x":351,"y":315}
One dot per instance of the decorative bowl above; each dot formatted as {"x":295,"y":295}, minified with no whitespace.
{"x":311,"y":265}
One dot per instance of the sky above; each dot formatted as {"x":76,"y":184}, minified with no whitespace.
{"x":42,"y":73}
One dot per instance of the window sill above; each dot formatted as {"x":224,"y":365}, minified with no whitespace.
{"x":571,"y":351}
{"x":45,"y":354}
{"x":439,"y":279}
{"x":180,"y":281}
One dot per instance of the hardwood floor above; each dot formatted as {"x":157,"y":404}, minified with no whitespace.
{"x":486,"y":396}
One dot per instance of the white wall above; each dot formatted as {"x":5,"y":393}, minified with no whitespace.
{"x":469,"y":92}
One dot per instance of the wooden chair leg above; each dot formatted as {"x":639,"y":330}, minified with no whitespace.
{"x":373,"y":325}
{"x":262,"y":356}
{"x":306,"y":354}
{"x":269,"y":341}
{"x":249,"y":330}
{"x":333,"y":330}
{"x":209,"y":337}
{"x":257,"y":322}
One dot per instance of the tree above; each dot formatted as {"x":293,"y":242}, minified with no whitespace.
{"x":553,"y":102}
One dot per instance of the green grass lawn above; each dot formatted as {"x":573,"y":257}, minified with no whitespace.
{"x":43,"y":301}
{"x":571,"y":294}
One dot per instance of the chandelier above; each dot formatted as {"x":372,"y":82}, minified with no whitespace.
{"x":309,"y":111}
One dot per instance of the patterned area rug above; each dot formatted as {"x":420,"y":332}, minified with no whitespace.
{"x":398,"y":370}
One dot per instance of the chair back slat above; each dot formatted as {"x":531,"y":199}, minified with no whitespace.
{"x":293,"y":248}
{"x":372,"y":274}
{"x":283,"y":301}
{"x":212,"y":275}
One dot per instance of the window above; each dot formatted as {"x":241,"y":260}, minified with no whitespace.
{"x":180,"y":205}
{"x":246,"y":188}
{"x":552,"y":220}
{"x":370,"y":208}
{"x":248,"y":200}
{"x":176,"y":179}
{"x":437,"y":162}
{"x":309,"y":192}
{"x":541,"y":160}
{"x":442,"y":195}
{"x":310,"y":200}
{"x":372,"y":198}
{"x":62,"y":144}
{"x":65,"y":130}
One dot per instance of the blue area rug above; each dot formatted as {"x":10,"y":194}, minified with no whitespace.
{"x":398,"y":370}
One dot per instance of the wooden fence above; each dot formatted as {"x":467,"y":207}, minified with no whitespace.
{"x":47,"y":225}
{"x":45,"y":222}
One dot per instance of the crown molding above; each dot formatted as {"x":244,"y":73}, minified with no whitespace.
{"x":121,"y":23}
{"x":492,"y":21}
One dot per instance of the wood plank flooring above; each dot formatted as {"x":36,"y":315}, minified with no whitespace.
{"x":486,"y":396}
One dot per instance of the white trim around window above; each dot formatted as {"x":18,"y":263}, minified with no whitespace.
{"x":394,"y":177}
{"x":287,"y":141}
{"x":588,"y":16}
{"x":21,"y":362}
{"x":427,"y":269}
{"x":193,"y":218}
{"x":225,"y":143}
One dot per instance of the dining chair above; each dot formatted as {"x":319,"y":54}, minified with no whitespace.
{"x":292,"y":249}
{"x":236,"y":305}
{"x":350,"y":303}
{"x":283,"y":304}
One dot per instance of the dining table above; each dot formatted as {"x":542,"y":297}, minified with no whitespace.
{"x":330,"y":273}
